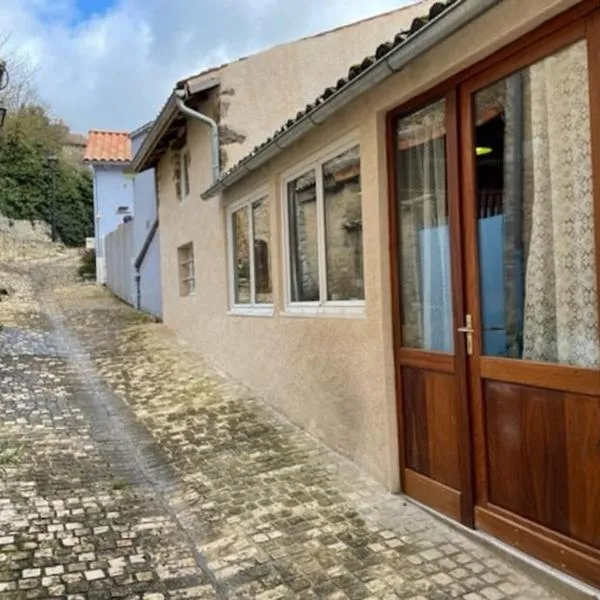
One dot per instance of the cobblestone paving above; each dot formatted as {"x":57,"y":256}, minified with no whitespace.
{"x":143,"y":473}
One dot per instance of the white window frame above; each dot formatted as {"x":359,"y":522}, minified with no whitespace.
{"x":184,"y":264}
{"x":183,"y":169}
{"x":252,"y":309}
{"x":343,"y":308}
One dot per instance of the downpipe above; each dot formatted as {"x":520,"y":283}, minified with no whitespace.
{"x":138,"y":290}
{"x":180,"y":96}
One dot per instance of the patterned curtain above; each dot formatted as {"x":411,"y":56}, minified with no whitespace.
{"x":561,"y":294}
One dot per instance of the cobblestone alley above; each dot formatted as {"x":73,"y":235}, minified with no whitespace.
{"x":141,"y":473}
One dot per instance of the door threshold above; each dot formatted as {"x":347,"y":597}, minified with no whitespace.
{"x":542,"y":573}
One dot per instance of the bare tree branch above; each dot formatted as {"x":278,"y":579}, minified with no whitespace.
{"x":21,"y":90}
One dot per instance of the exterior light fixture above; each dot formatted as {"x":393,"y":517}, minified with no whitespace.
{"x":483,"y":150}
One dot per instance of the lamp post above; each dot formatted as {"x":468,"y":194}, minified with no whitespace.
{"x":3,"y":84}
{"x":52,"y":161}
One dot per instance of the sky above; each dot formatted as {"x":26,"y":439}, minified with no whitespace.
{"x":111,"y":64}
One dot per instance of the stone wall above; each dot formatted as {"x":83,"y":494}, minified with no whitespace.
{"x":38,"y":231}
{"x":15,"y":249}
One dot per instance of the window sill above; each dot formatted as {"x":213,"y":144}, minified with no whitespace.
{"x":349,"y":310}
{"x":251,"y":311}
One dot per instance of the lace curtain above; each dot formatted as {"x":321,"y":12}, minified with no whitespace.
{"x":561,"y":295}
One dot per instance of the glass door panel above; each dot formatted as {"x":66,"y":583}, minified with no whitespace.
{"x":422,"y":204}
{"x":535,"y":214}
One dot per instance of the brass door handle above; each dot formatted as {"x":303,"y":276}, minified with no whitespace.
{"x":469,"y":331}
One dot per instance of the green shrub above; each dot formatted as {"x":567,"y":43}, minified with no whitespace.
{"x":87,"y":268}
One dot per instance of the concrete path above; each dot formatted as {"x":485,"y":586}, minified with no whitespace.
{"x":143,"y":473}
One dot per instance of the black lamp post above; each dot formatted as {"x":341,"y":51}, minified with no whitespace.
{"x":3,"y":84}
{"x":52,"y":161}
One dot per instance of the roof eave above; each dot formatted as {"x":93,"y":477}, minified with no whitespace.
{"x":454,"y":18}
{"x":140,"y":130}
{"x":160,"y":125}
{"x":96,"y":162}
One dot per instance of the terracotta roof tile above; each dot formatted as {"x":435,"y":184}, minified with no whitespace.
{"x":108,"y":146}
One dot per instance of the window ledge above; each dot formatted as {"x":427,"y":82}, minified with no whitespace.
{"x":251,"y":311}
{"x":348,"y":311}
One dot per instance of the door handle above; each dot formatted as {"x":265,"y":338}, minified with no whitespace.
{"x":468,"y":331}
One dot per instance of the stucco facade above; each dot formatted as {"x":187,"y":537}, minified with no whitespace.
{"x":332,"y":374}
{"x":113,"y":188}
{"x":259,"y":93}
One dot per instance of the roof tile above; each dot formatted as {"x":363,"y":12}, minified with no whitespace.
{"x":108,"y":146}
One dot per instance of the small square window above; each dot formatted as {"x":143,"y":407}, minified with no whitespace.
{"x":187,"y":278}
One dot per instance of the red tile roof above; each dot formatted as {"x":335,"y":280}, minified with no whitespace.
{"x":108,"y":146}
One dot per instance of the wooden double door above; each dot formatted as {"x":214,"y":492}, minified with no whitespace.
{"x":495,"y":230}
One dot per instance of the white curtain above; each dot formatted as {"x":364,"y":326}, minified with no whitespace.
{"x":561,"y":294}
{"x":425,"y":277}
{"x":435,"y":252}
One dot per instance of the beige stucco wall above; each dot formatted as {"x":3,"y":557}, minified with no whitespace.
{"x":260,"y":93}
{"x":334,"y":376}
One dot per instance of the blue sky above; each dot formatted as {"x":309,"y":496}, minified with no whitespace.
{"x":111,"y":64}
{"x":86,"y":8}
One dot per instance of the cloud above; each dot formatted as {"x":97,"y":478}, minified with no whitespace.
{"x":115,"y":69}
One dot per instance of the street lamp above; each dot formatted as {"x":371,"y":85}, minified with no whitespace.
{"x":52,"y":161}
{"x":3,"y":84}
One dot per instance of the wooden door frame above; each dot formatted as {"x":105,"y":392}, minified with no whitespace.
{"x":403,"y":356}
{"x":506,"y":369}
{"x":579,"y":22}
{"x":565,"y":552}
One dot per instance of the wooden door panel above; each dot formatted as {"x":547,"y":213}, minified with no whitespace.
{"x":415,"y":421}
{"x":583,"y":461}
{"x":430,"y":417}
{"x":543,"y":451}
{"x":527,"y":459}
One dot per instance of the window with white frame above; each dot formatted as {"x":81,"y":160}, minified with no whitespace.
{"x":187,"y":277}
{"x":249,"y":228}
{"x":184,"y":185}
{"x":324,"y":233}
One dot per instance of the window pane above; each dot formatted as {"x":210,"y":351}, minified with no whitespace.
{"x":241,"y":256}
{"x":185,"y":256}
{"x":343,"y":226}
{"x":304,"y":261}
{"x":536,"y":215}
{"x":425,"y":279}
{"x":186,"y":173}
{"x":262,"y":252}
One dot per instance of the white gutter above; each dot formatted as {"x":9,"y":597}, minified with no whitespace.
{"x":162,"y":123}
{"x":180,"y":96}
{"x":436,"y":31}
